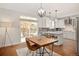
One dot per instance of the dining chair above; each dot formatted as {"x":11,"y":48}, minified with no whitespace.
{"x":32,"y":46}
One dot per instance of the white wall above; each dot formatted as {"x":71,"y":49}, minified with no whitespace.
{"x":14,"y":32}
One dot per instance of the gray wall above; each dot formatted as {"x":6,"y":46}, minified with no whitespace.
{"x":13,"y":35}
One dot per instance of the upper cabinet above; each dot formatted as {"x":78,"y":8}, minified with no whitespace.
{"x":50,"y":23}
{"x":45,"y":23}
{"x":71,"y":21}
{"x":59,"y":23}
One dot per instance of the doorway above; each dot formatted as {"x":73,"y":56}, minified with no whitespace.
{"x":28,"y":28}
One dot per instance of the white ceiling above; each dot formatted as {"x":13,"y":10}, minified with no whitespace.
{"x":31,"y":8}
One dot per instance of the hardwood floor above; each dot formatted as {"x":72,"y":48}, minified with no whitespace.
{"x":11,"y":50}
{"x":67,"y":49}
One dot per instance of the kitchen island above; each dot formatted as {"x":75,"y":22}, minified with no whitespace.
{"x":58,"y":34}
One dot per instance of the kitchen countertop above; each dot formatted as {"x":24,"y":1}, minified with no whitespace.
{"x":55,"y":32}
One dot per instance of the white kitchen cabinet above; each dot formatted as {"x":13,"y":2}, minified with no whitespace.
{"x":52,"y":25}
{"x":69,"y":35}
{"x":59,"y":23}
{"x":60,"y":39}
{"x":48,"y":23}
{"x":45,"y":23}
{"x":59,"y":35}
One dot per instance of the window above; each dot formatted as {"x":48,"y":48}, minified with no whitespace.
{"x":28,"y":28}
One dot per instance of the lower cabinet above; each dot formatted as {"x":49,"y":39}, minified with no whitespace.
{"x":69,"y":35}
{"x":60,"y":39}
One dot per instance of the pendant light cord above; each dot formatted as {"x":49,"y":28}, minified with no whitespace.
{"x":41,"y":4}
{"x":56,"y":14}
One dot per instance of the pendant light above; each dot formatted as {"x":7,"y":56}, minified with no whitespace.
{"x":41,"y":12}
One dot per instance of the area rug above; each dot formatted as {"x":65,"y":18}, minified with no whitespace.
{"x":25,"y":52}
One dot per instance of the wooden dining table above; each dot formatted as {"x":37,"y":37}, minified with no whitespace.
{"x":43,"y":41}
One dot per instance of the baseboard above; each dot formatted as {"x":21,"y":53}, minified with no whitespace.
{"x":10,"y":44}
{"x":69,"y":39}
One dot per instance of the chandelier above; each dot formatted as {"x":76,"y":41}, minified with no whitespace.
{"x":41,"y":12}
